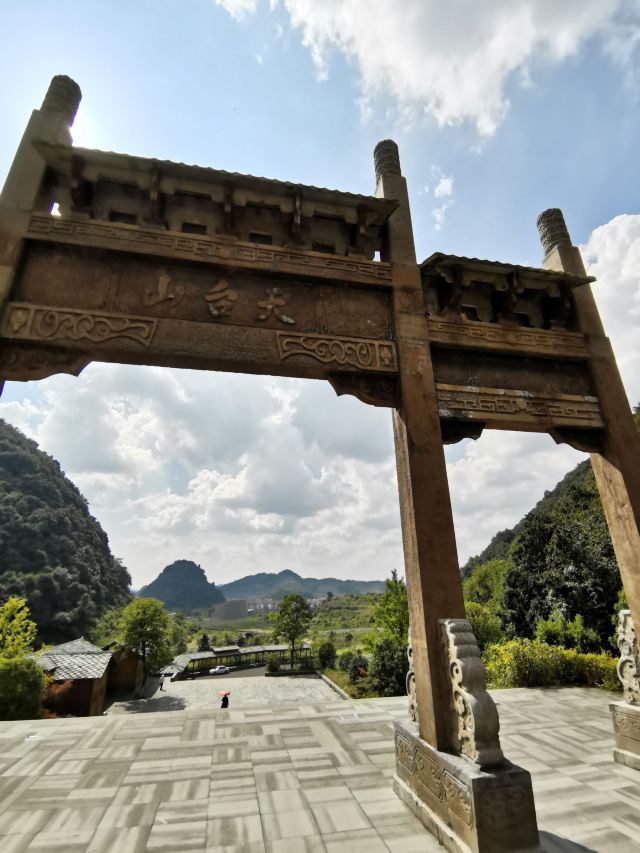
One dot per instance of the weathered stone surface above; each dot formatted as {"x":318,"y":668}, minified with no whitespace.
{"x":466,"y":808}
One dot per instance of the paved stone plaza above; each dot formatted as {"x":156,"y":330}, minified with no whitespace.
{"x":248,"y":690}
{"x":296,"y":778}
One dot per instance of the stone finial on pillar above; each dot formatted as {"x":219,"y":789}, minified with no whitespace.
{"x":477,"y":719}
{"x":63,"y":96}
{"x":552,"y":230}
{"x":386,"y":158}
{"x":628,"y":661}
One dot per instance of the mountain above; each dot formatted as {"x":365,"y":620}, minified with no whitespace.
{"x":52,"y":551}
{"x":498,"y":547}
{"x":183,"y":586}
{"x":269,"y":585}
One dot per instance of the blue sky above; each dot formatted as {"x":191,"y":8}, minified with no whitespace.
{"x":499,"y":112}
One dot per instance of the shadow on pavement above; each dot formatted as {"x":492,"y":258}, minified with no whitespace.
{"x":552,"y":843}
{"x":158,"y":703}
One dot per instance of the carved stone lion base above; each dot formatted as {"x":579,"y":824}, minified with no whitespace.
{"x":467,"y":809}
{"x":626,"y":727}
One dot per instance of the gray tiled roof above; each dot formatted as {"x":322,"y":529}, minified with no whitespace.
{"x":75,"y":660}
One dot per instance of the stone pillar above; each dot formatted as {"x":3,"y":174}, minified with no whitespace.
{"x":617,"y":467}
{"x":449,"y":769}
{"x":25,"y":187}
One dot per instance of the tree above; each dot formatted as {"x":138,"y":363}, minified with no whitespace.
{"x":22,"y":688}
{"x":145,"y":628}
{"x":348,"y":638}
{"x":358,"y":668}
{"x":485,"y":585}
{"x":391,"y":613}
{"x":17,"y":630}
{"x":485,"y":624}
{"x":562,"y":560}
{"x":291,"y":620}
{"x":204,"y":644}
{"x":389,"y":667}
{"x":329,"y":595}
{"x":326,"y":655}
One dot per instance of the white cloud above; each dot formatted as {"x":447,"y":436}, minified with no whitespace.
{"x":612,"y":255}
{"x":454,"y":61}
{"x":238,"y":8}
{"x":444,"y":187}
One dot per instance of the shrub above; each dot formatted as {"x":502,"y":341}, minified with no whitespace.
{"x":359,"y":668}
{"x":389,"y":667}
{"x":22,"y":688}
{"x":344,"y":661}
{"x":530,"y":663}
{"x":558,"y":631}
{"x":485,"y":624}
{"x":326,"y":655}
{"x":273,"y":665}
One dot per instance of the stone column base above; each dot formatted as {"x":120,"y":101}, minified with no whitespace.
{"x":467,"y":809}
{"x":626,"y":728}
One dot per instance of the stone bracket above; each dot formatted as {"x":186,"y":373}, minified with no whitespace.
{"x":628,"y":661}
{"x":476,"y":721}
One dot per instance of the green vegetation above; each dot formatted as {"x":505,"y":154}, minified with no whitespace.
{"x":17,"y":629}
{"x":22,"y":688}
{"x":562,"y":560}
{"x":22,"y":681}
{"x":551,"y":586}
{"x":345,"y":611}
{"x":144,"y":627}
{"x":291,"y":620}
{"x":183,"y":585}
{"x":530,"y":663}
{"x":53,"y":553}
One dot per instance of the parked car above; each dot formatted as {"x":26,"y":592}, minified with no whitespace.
{"x":219,"y":670}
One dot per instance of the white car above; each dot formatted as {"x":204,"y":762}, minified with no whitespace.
{"x":219,"y":670}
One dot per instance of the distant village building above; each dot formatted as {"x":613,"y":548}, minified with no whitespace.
{"x":87,"y":668}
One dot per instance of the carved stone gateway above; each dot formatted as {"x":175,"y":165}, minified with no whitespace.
{"x":161,"y":263}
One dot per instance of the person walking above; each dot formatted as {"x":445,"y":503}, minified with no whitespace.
{"x":225,"y":701}
{"x":162,"y":682}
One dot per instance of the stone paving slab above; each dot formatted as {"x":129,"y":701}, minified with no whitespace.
{"x":201,"y":694}
{"x":314,"y":776}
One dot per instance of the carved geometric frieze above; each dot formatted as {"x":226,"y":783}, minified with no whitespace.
{"x":405,"y":753}
{"x":458,"y":798}
{"x":491,"y":336}
{"x":476,"y":717}
{"x":628,"y":661}
{"x":231,"y":253}
{"x":489,"y":404}
{"x":359,"y":353}
{"x":626,"y":725}
{"x":429,"y":773}
{"x":23,"y":321}
{"x":24,"y":362}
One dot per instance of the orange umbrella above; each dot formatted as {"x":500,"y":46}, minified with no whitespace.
{"x":224,"y":693}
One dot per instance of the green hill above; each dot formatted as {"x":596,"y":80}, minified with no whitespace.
{"x":276,"y":586}
{"x":183,"y":586}
{"x":52,"y":551}
{"x":498,"y":548}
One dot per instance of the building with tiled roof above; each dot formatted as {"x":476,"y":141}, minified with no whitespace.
{"x":86,"y":666}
